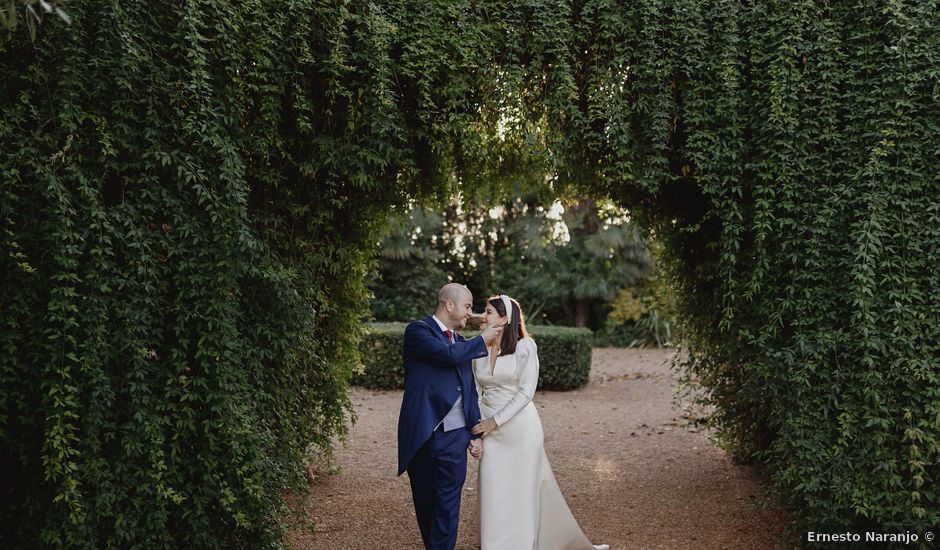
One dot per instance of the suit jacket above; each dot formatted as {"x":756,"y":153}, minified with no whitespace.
{"x":434,"y":370}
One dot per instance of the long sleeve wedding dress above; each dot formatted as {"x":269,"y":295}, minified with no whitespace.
{"x":521,"y":505}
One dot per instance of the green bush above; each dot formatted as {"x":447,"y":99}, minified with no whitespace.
{"x":380,"y":349}
{"x":564,"y":356}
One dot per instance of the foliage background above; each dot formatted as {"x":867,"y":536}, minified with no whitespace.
{"x":191,"y":195}
{"x":566,"y":262}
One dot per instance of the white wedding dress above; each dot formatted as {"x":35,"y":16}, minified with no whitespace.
{"x":521,"y":505}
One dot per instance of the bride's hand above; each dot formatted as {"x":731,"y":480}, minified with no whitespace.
{"x":484,"y":427}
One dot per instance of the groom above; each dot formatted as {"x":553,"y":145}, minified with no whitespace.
{"x":437,"y":411}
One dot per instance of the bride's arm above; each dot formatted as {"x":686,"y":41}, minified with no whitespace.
{"x":528,"y":357}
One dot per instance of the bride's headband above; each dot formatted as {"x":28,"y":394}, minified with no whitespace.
{"x":508,"y":305}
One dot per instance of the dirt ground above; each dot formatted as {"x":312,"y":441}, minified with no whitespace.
{"x":634,"y":473}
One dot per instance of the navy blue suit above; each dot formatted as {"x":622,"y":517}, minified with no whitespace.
{"x":436,"y":373}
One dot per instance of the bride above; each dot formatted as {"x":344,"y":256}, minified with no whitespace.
{"x":521,"y":505}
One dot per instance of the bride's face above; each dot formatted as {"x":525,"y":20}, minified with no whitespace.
{"x":489,"y":317}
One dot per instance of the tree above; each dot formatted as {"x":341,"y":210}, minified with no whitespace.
{"x":409,"y":273}
{"x":564,"y":269}
{"x":604,"y":254}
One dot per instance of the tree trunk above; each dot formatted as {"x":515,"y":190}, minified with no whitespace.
{"x":580,"y":313}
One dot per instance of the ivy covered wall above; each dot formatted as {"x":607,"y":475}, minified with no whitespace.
{"x":786,"y":151}
{"x":190,"y":197}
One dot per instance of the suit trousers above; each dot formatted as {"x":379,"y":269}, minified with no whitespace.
{"x":437,"y":473}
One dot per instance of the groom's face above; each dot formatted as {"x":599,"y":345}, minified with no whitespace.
{"x":463,"y":310}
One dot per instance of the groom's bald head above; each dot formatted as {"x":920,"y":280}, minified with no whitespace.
{"x":454,"y":305}
{"x":453,"y":292}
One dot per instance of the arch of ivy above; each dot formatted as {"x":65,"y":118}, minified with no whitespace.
{"x":191,"y":194}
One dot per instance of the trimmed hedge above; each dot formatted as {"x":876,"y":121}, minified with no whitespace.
{"x":564,"y":356}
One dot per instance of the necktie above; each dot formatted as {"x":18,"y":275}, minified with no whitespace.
{"x":450,"y":336}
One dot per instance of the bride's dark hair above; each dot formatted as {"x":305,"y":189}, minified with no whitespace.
{"x":515,"y":330}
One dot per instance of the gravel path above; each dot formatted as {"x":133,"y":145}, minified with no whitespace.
{"x":634,"y":475}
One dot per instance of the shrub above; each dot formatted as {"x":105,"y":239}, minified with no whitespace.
{"x":636,"y":318}
{"x":564,"y":356}
{"x":380,"y":349}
